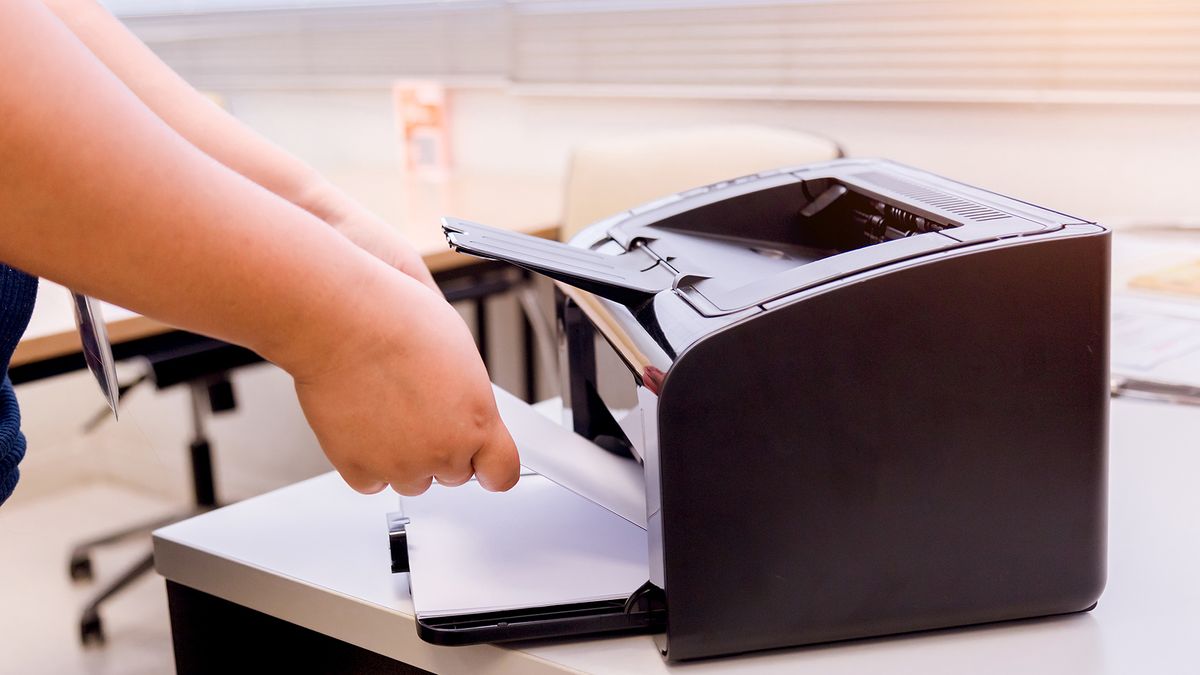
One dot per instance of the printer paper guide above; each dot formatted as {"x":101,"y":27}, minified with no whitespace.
{"x":537,"y":545}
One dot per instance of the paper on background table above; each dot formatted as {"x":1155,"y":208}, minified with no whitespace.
{"x":537,"y":545}
{"x":1156,"y":338}
{"x":572,"y":461}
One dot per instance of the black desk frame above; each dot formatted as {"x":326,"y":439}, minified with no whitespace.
{"x":212,"y":635}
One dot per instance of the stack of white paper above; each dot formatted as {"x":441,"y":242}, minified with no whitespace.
{"x":537,"y":545}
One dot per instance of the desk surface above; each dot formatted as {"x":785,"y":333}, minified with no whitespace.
{"x":522,"y":203}
{"x":315,"y":554}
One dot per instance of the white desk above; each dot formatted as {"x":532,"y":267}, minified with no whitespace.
{"x":315,"y":554}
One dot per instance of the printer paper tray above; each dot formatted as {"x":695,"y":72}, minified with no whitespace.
{"x":535,"y":623}
{"x":537,"y":561}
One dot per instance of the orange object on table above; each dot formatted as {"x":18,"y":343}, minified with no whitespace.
{"x":1182,"y":279}
{"x":423,"y":124}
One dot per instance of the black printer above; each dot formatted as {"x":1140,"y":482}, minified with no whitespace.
{"x":869,"y":400}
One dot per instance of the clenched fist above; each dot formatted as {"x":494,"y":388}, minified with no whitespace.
{"x":403,"y":399}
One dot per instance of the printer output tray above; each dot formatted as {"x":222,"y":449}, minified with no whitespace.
{"x":536,"y":562}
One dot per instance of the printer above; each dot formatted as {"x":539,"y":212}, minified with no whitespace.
{"x":862,"y":399}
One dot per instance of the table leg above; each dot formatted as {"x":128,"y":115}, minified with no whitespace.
{"x":481,"y":327}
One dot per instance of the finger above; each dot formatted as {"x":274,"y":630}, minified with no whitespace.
{"x":361,"y":481}
{"x":412,"y":488}
{"x":453,"y":479}
{"x":425,"y":277}
{"x":454,"y":471}
{"x":421,"y":273}
{"x":415,"y":267}
{"x":496,"y":463}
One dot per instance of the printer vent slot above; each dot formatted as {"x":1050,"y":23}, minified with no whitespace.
{"x":940,"y":200}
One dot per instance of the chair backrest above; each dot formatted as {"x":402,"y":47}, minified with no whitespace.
{"x":608,"y":176}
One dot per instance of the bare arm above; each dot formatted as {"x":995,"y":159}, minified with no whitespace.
{"x":98,"y":193}
{"x":226,"y":139}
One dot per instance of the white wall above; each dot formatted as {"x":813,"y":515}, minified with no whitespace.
{"x":347,"y":129}
{"x":1113,"y":163}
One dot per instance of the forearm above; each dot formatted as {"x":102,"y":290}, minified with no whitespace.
{"x":99,"y":194}
{"x":224,"y":138}
{"x":199,"y":120}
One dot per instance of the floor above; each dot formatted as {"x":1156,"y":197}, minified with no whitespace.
{"x":43,"y":636}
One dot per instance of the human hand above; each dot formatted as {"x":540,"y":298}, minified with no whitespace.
{"x":365,"y":229}
{"x":404,"y":398}
{"x":383,"y":241}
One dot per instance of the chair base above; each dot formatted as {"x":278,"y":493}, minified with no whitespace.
{"x":80,"y":568}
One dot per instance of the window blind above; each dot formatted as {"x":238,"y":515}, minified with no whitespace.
{"x":964,"y":50}
{"x":872,"y":49}
{"x":337,"y":44}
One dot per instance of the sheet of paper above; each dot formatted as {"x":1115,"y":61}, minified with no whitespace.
{"x":1156,"y":338}
{"x":615,"y":483}
{"x":537,"y":545}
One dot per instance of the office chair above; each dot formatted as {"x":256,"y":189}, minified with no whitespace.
{"x":203,"y":366}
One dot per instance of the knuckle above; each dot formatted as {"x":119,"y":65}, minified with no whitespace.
{"x":444,"y":456}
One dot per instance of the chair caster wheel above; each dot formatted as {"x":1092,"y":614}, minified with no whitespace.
{"x":80,"y":568}
{"x":91,"y":631}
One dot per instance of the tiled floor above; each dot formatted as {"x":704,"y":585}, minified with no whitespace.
{"x":39,"y":605}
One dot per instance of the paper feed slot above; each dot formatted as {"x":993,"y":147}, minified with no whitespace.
{"x":614,"y":483}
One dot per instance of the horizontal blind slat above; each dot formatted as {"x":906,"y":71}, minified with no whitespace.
{"x":1066,"y":48}
{"x":1096,"y":45}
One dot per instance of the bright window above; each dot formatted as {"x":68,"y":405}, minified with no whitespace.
{"x":940,"y":50}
